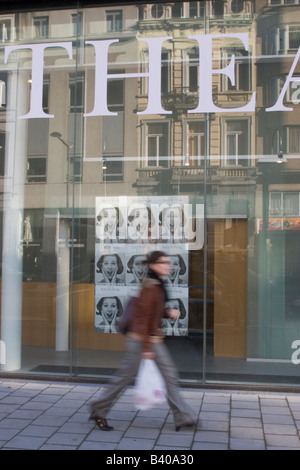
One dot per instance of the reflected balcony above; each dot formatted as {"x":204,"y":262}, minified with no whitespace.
{"x":184,"y":178}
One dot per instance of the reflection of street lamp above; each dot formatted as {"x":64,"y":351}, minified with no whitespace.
{"x":58,"y":136}
{"x":273,"y":158}
{"x":104,"y":168}
{"x":280,"y":158}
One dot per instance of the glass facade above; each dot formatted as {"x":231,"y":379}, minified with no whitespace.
{"x":126,"y":128}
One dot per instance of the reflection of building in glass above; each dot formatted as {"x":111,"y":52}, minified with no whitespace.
{"x":177,"y":145}
{"x":109,"y":147}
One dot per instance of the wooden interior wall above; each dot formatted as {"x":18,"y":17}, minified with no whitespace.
{"x":230,"y":302}
{"x":230,"y":289}
{"x":38,"y":322}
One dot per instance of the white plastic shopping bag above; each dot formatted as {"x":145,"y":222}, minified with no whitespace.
{"x":149,"y":390}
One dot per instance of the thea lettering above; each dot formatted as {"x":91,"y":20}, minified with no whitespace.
{"x":154,"y":106}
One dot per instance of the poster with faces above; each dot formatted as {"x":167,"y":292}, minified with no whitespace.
{"x":126,"y":229}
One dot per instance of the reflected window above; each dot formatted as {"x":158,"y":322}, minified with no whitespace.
{"x":112,"y":168}
{"x":290,"y":203}
{"x":218,"y":8}
{"x":242,"y":70}
{"x":76,"y":24}
{"x":294,"y":37}
{"x":36,"y":169}
{"x":6,"y":29}
{"x":237,"y":142}
{"x":37,"y":143}
{"x":191,"y":70}
{"x":2,"y":94}
{"x":283,"y":2}
{"x":237,"y":6}
{"x":115,"y":94}
{"x":272,"y":42}
{"x":196,"y":142}
{"x":275,"y":87}
{"x":156,"y":144}
{"x":3,"y":89}
{"x":76,"y":168}
{"x":76,"y":92}
{"x":177,"y":10}
{"x":113,"y":133}
{"x":286,"y":140}
{"x":41,"y":26}
{"x":157,"y":11}
{"x":165,"y":71}
{"x":293,"y":139}
{"x":114,"y":20}
{"x":196,"y":9}
{"x":284,"y":204}
{"x":46,"y":86}
{"x":283,"y":39}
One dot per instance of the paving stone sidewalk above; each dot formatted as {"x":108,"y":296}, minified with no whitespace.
{"x":42,"y":415}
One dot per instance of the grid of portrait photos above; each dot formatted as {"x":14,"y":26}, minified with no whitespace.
{"x":127,"y":228}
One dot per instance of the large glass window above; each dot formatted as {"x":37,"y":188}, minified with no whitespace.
{"x":126,"y":128}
